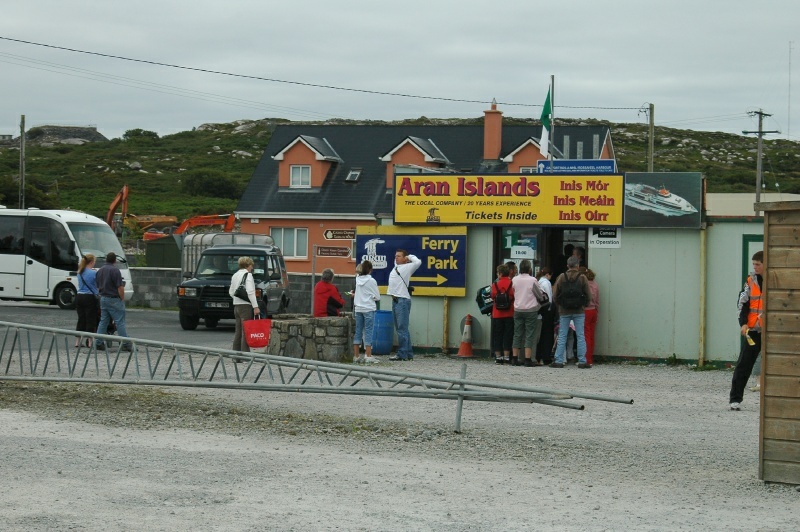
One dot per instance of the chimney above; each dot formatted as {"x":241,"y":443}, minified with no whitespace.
{"x":492,"y":132}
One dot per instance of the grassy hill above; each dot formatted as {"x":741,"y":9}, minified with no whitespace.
{"x":204,"y":171}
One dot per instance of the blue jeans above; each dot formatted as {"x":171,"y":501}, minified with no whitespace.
{"x":365,"y":322}
{"x":401,"y":310}
{"x":111,"y":308}
{"x":563,"y":329}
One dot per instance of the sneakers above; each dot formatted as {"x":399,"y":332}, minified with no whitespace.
{"x":736,"y":406}
{"x":369,"y":360}
{"x":398,"y":357}
{"x":584,"y":365}
{"x":359,"y":360}
{"x":556,"y":365}
{"x":529,"y":363}
{"x":499,"y":361}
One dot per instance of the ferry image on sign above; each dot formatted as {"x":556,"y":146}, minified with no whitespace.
{"x":660,"y":200}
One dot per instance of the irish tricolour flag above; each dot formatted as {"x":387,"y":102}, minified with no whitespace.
{"x":546,"y":112}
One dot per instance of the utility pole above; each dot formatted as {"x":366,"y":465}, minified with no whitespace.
{"x":22,"y":162}
{"x":650,"y":139}
{"x":761,"y":114}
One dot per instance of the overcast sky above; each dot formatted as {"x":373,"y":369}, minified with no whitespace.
{"x":703,"y":63}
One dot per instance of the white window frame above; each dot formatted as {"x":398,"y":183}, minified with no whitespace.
{"x":293,"y":253}
{"x":296,"y":177}
{"x":527,"y":170}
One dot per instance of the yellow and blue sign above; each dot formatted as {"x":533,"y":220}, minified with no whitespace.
{"x":518,"y":199}
{"x":443,"y":251}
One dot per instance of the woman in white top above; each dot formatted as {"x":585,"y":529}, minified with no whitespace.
{"x":364,"y":307}
{"x":243,"y":309}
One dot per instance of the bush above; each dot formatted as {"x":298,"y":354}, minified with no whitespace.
{"x":141,"y":136}
{"x":211,"y":183}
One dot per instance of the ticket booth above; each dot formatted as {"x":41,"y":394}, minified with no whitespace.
{"x":779,"y":431}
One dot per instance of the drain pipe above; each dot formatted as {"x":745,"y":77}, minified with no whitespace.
{"x":701,"y":360}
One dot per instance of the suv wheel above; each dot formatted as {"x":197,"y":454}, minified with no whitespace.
{"x":188,"y":323}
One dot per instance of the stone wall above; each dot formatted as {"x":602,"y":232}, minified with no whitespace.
{"x":301,"y":336}
{"x":155,"y":287}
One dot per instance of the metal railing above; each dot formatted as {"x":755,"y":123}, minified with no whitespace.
{"x":33,"y":353}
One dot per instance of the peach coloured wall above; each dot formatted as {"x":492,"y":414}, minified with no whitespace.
{"x":316,"y":235}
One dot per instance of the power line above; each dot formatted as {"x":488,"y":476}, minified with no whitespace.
{"x":299,"y":83}
{"x":47,"y":66}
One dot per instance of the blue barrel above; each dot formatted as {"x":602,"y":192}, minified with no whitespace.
{"x":383,"y":332}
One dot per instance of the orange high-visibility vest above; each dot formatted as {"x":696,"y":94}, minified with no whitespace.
{"x":756,"y":304}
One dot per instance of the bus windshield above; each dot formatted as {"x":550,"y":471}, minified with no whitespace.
{"x":97,"y":239}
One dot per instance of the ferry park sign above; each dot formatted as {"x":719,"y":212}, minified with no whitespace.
{"x":500,"y":199}
{"x":442,"y":250}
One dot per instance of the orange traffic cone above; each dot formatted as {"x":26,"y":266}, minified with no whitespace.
{"x":465,"y":350}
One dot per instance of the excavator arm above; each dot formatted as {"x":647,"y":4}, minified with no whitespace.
{"x":120,"y":199}
{"x":227,"y":221}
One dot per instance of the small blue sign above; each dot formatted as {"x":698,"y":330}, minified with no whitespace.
{"x":444,"y":260}
{"x":577,"y":166}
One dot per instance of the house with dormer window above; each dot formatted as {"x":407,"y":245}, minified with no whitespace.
{"x":316,"y":183}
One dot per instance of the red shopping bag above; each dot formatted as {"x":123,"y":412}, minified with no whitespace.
{"x":256,"y":332}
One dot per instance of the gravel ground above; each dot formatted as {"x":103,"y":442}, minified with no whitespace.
{"x":88,"y":457}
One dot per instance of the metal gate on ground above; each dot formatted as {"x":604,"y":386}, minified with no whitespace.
{"x":33,"y":353}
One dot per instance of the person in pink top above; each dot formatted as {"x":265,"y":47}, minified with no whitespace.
{"x":527,"y":324}
{"x":591,"y":315}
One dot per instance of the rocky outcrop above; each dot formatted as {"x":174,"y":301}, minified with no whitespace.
{"x":63,"y":135}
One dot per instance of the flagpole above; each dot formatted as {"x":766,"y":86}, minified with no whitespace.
{"x":551,"y":140}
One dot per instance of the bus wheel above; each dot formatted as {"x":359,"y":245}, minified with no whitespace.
{"x":66,"y":296}
{"x":188,"y":323}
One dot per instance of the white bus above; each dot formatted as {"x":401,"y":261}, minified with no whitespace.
{"x":40,"y":251}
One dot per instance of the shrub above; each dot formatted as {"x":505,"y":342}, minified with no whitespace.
{"x":211,"y":183}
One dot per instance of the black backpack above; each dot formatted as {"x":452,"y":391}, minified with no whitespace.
{"x":484,"y":299}
{"x":501,"y":300}
{"x":571,"y":294}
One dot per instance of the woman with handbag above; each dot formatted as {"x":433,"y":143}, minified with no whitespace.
{"x":245,"y":305}
{"x":88,"y":297}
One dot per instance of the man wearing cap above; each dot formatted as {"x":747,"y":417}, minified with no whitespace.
{"x":111,"y":288}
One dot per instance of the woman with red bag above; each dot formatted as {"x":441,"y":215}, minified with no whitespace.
{"x":243,"y":309}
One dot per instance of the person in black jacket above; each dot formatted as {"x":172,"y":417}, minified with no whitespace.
{"x":751,"y":307}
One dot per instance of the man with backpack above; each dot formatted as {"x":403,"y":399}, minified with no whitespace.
{"x":571,"y":294}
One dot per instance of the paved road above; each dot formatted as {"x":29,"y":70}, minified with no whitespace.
{"x":157,"y":325}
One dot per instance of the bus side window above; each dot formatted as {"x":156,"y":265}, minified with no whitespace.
{"x":62,"y":254}
{"x":11,"y":235}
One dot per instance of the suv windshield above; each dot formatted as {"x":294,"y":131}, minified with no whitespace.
{"x":217,"y":266}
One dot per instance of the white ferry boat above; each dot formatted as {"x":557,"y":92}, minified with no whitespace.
{"x":660,"y":200}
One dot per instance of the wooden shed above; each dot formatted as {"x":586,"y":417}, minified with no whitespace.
{"x":779,"y":431}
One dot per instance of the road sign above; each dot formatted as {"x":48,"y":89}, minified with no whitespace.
{"x":443,"y":251}
{"x":578,"y":166}
{"x":340,"y":234}
{"x":333,"y":251}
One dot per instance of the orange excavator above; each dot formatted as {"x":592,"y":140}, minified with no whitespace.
{"x":227,"y":221}
{"x":112,"y":219}
{"x":119,"y":220}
